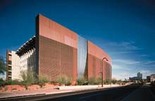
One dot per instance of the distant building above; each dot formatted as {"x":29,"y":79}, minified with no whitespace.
{"x":133,"y":78}
{"x":139,"y":75}
{"x":148,"y":78}
{"x":152,"y":77}
{"x":136,"y":78}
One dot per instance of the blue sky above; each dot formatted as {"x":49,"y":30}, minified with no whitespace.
{"x":125,"y":29}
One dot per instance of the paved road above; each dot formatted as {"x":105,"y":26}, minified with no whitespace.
{"x":144,"y":93}
{"x":110,"y":94}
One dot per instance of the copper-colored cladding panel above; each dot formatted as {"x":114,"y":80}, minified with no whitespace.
{"x":90,"y":66}
{"x":57,"y":52}
{"x":56,"y":59}
{"x":57,"y":49}
{"x":106,"y":70}
{"x":74,"y":66}
{"x":96,"y":64}
{"x":57,"y":32}
{"x":97,"y":52}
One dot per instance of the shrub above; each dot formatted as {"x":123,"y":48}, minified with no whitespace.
{"x":2,"y":82}
{"x":113,"y":81}
{"x":82,"y":81}
{"x":28,"y":78}
{"x":99,"y":80}
{"x":119,"y":82}
{"x":95,"y":81}
{"x":2,"y":65}
{"x":42,"y":80}
{"x":12,"y":82}
{"x":107,"y":81}
{"x":63,"y":80}
{"x":92,"y":81}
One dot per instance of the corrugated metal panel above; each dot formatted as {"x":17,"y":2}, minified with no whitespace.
{"x":82,"y":55}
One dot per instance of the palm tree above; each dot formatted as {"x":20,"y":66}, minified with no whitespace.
{"x":2,"y":65}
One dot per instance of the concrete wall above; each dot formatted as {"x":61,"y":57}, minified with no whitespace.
{"x":28,"y":60}
{"x":15,"y":66}
{"x":18,"y":64}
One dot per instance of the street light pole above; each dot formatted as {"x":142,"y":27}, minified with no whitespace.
{"x":102,"y":72}
{"x":102,"y":78}
{"x":104,"y":58}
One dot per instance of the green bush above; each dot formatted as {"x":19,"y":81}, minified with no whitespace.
{"x":63,"y":80}
{"x":42,"y":80}
{"x":99,"y":80}
{"x":113,"y":81}
{"x":2,"y":65}
{"x":2,"y":82}
{"x":107,"y":81}
{"x":94,"y":81}
{"x":82,"y":81}
{"x":28,"y":77}
{"x":12,"y":82}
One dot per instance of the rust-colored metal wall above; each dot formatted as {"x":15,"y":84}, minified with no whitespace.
{"x":56,"y":52}
{"x":57,"y":49}
{"x":56,"y":59}
{"x":96,"y":62}
{"x":94,"y":66}
{"x":57,"y":32}
{"x":97,"y":52}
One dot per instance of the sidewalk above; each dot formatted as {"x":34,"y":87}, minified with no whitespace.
{"x":53,"y":90}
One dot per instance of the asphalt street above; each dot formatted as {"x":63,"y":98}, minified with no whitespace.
{"x":144,"y":93}
{"x":109,"y":94}
{"x":125,"y":93}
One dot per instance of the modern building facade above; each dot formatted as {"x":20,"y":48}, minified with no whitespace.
{"x":56,"y":51}
{"x":23,"y":59}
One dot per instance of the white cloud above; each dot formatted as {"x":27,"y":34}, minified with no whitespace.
{"x":125,"y":61}
{"x":127,"y":46}
{"x":120,"y":67}
{"x":150,"y":63}
{"x":121,"y":52}
{"x":125,"y":68}
{"x":123,"y":75}
{"x":146,"y":72}
{"x":115,"y":66}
